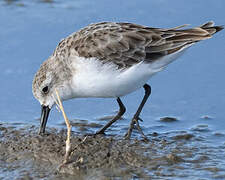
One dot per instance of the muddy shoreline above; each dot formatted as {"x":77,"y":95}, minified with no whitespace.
{"x":30,"y":156}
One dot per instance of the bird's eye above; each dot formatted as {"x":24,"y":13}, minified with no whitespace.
{"x":45,"y":90}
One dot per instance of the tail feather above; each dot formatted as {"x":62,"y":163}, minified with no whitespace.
{"x":210,"y":28}
{"x":192,"y":35}
{"x":176,"y":40}
{"x":208,"y":24}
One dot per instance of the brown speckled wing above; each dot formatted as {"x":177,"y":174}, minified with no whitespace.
{"x":126,"y":44}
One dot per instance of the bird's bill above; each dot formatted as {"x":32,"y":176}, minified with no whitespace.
{"x":44,"y":118}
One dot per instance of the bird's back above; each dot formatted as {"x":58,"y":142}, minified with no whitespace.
{"x":126,"y":44}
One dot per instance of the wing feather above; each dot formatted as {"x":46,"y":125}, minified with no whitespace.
{"x":126,"y":44}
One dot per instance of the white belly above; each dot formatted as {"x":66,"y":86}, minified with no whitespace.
{"x":94,"y":79}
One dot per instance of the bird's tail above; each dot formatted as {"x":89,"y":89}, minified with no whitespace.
{"x":195,"y":34}
{"x":210,"y":28}
{"x":176,"y":40}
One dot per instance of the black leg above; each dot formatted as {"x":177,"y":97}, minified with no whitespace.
{"x":118,"y":116}
{"x":137,"y":114}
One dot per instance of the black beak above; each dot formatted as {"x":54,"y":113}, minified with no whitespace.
{"x":44,"y":118}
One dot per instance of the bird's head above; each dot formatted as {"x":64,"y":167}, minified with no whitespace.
{"x":51,"y":76}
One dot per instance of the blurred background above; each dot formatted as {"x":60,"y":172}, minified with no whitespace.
{"x":191,"y":89}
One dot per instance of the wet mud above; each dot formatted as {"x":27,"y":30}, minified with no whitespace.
{"x":175,"y":155}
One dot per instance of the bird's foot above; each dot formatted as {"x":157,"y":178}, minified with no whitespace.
{"x":135,"y":121}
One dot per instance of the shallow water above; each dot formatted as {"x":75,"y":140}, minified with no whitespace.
{"x":191,"y":90}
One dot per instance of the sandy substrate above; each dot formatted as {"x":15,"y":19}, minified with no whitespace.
{"x":26,"y":155}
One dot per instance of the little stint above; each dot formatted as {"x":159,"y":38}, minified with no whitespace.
{"x":111,"y":60}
